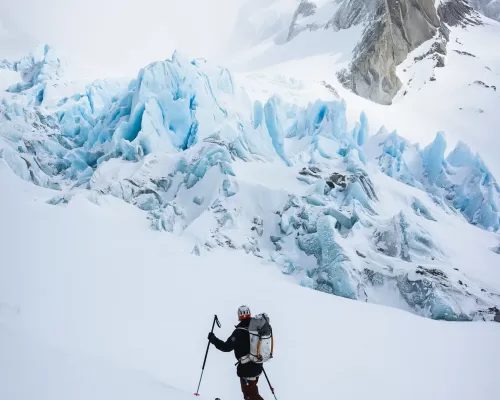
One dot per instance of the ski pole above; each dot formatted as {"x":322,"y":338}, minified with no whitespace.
{"x":269,"y":383}
{"x":216,"y":320}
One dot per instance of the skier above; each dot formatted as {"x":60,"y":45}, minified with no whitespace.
{"x":239,"y":341}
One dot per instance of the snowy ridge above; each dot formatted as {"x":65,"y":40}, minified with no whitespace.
{"x":179,"y":143}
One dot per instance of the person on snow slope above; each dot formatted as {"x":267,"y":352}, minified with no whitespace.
{"x":239,"y":341}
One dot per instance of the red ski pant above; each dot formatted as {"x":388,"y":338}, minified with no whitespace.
{"x":250,"y":389}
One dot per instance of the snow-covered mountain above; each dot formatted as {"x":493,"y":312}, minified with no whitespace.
{"x":447,"y":83}
{"x":371,"y":38}
{"x":135,"y":209}
{"x":291,"y":184}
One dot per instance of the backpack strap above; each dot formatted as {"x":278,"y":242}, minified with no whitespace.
{"x":250,"y":333}
{"x":244,"y":359}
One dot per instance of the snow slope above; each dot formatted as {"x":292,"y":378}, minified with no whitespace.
{"x":95,"y":305}
{"x":53,"y":373}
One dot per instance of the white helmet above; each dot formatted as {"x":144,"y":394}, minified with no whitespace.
{"x":244,"y":312}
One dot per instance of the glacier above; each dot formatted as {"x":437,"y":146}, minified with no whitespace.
{"x":460,"y":180}
{"x":35,"y":70}
{"x":177,"y":141}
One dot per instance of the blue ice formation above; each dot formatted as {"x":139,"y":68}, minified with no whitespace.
{"x":98,"y":97}
{"x":393,"y":158}
{"x":147,"y":201}
{"x":460,"y":180}
{"x":30,"y":145}
{"x":433,"y":156}
{"x":333,"y":274}
{"x":461,"y":156}
{"x":360,"y":133}
{"x":176,"y":104}
{"x":198,"y":200}
{"x":421,"y":210}
{"x":426,"y":291}
{"x":324,"y":125}
{"x":171,"y":106}
{"x":208,"y":157}
{"x":181,"y":125}
{"x":408,"y":253}
{"x":36,"y":69}
{"x":478,"y":195}
{"x":403,"y":239}
{"x":230,"y":187}
{"x":82,"y":112}
{"x":258,"y":114}
{"x":274,"y":127}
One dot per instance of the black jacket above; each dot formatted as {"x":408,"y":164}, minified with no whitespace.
{"x":239,"y":341}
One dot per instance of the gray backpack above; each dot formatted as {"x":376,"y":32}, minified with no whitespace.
{"x":261,"y":340}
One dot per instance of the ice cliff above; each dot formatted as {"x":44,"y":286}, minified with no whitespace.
{"x":35,"y":70}
{"x":185,"y":143}
{"x":460,"y":181}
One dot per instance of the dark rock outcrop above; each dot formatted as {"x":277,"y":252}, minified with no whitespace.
{"x":305,"y":9}
{"x":458,"y":13}
{"x":393,"y":28}
{"x":397,"y":28}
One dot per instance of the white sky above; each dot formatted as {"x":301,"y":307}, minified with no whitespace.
{"x":117,"y":37}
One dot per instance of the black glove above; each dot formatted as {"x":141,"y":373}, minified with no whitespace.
{"x":211,"y":337}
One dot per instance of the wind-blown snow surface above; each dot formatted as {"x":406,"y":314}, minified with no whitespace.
{"x":185,"y":143}
{"x":94,"y":304}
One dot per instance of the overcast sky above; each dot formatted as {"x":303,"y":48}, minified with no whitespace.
{"x":117,"y":37}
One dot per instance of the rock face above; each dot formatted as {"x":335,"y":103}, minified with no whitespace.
{"x":458,"y":13}
{"x":305,"y":9}
{"x":345,"y":14}
{"x":397,"y":28}
{"x":392,"y":29}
